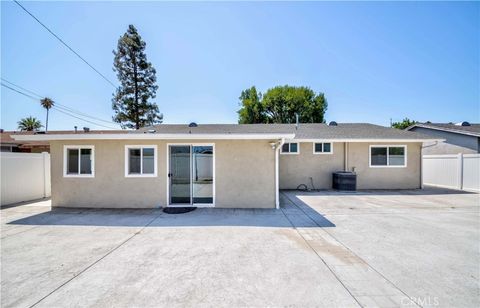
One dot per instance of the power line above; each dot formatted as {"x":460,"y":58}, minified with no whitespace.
{"x":26,"y":90}
{"x":58,"y":105}
{"x":66,"y":45}
{"x":63,"y":110}
{"x":29,"y":96}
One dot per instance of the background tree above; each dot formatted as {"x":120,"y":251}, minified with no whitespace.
{"x":47,"y":103}
{"x":252,"y":110}
{"x":403,"y":124}
{"x":137,"y":83}
{"x":281,"y":104}
{"x":29,"y":124}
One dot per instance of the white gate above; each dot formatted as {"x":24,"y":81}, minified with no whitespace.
{"x":24,"y":176}
{"x":460,"y":171}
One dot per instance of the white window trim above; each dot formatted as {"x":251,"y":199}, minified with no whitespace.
{"x":322,"y":153}
{"x":388,"y":156}
{"x":141,"y":147}
{"x":291,"y":153}
{"x":65,"y":161}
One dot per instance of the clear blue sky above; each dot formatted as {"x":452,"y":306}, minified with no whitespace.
{"x":374,"y":61}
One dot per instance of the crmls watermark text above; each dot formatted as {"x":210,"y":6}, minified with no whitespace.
{"x":425,"y":301}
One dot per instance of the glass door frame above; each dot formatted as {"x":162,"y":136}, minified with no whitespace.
{"x":169,"y":204}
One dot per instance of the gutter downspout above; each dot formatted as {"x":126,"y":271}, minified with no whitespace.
{"x":346,"y":156}
{"x":277,"y":163}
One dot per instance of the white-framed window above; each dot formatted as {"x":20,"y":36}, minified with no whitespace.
{"x":79,"y":161}
{"x":140,"y":161}
{"x":322,"y":148}
{"x":392,"y":156}
{"x":290,"y":148}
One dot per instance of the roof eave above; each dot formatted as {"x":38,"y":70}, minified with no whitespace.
{"x":150,"y":137}
{"x":366,"y":140}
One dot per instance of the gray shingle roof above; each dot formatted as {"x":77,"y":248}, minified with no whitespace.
{"x":473,"y":129}
{"x":304,"y":130}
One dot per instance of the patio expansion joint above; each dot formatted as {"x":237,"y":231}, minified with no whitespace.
{"x":352,"y":252}
{"x":329,"y":268}
{"x":97,"y":261}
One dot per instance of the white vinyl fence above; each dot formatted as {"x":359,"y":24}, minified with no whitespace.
{"x":458,"y":171}
{"x":24,"y":176}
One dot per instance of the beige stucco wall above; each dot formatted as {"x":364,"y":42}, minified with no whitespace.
{"x":297,"y":169}
{"x":385,"y":178}
{"x":244,"y":176}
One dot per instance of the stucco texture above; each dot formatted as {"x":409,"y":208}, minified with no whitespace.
{"x":244,"y":176}
{"x":408,"y":177}
{"x":296,"y":169}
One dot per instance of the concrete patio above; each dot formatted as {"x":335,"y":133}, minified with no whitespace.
{"x":328,"y":249}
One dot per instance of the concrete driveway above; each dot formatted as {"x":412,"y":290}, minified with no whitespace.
{"x":383,"y":249}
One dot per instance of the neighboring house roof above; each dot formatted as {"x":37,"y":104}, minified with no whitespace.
{"x":304,"y":131}
{"x":8,"y":137}
{"x":471,"y":129}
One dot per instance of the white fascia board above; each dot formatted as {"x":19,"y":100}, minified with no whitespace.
{"x":52,"y":137}
{"x":365,"y":140}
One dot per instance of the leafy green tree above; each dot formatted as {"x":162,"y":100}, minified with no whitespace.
{"x":29,"y":124}
{"x":281,"y":104}
{"x":131,"y":101}
{"x":47,"y":103}
{"x":403,"y":124}
{"x":252,"y":110}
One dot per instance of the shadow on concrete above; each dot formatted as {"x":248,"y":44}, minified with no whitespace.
{"x":210,"y":217}
{"x":8,"y":206}
{"x":427,"y":191}
{"x":291,"y":204}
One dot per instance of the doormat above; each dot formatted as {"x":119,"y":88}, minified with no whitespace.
{"x":178,"y":210}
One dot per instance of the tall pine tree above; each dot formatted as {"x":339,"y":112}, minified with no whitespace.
{"x":137,"y":78}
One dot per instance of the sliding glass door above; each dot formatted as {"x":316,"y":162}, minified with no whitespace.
{"x":179,"y":174}
{"x":191,"y":174}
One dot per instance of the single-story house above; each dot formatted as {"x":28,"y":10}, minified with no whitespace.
{"x":463,"y":137}
{"x":224,"y":165}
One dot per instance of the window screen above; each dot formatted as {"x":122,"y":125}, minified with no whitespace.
{"x":72,"y":167}
{"x":290,"y":148}
{"x":387,"y":156}
{"x":148,"y":160}
{"x":141,"y":160}
{"x":323,"y":147}
{"x":134,"y":161}
{"x":79,"y":161}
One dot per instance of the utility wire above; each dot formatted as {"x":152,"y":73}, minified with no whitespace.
{"x":69,"y":114}
{"x":29,"y":96}
{"x":58,"y":105}
{"x":26,"y":90}
{"x":56,"y":108}
{"x":66,"y":45}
